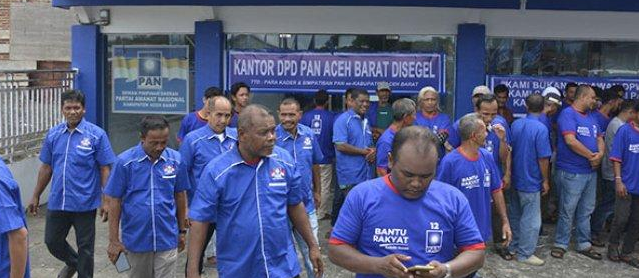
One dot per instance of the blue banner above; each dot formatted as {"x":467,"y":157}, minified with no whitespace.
{"x":335,"y":72}
{"x":522,"y":86}
{"x":150,"y":79}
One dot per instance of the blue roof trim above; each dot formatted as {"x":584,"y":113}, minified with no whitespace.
{"x":584,"y":5}
{"x":487,"y":4}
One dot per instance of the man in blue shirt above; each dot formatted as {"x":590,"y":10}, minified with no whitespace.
{"x":320,"y":120}
{"x":197,"y":119}
{"x":406,"y":218}
{"x":353,"y":147}
{"x":580,"y":149}
{"x":147,"y":192}
{"x":241,"y":97}
{"x":14,"y":244}
{"x":430,"y":117}
{"x":380,"y":113}
{"x":301,"y":143}
{"x":610,"y":102}
{"x":531,"y":154}
{"x":404,"y":112}
{"x":76,"y":157}
{"x":251,"y":193}
{"x":204,"y":144}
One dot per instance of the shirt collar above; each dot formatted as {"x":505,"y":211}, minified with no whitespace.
{"x":532,"y":116}
{"x":284,"y":135}
{"x":220,"y":136}
{"x":141,"y":155}
{"x":81,"y":127}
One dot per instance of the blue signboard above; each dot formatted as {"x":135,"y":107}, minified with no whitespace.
{"x":335,"y":72}
{"x":522,"y":86}
{"x":150,"y":79}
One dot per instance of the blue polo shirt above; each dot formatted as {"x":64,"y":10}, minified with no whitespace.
{"x":530,"y":143}
{"x":492,"y":143}
{"x":306,"y":152}
{"x":321,"y":121}
{"x":190,"y":122}
{"x":75,"y":158}
{"x":249,"y":204}
{"x":350,"y":128}
{"x":602,"y":120}
{"x":477,"y":179}
{"x":586,"y":130}
{"x":625,"y":149}
{"x":439,"y":123}
{"x":11,"y":217}
{"x":374,"y":220}
{"x":201,"y":146}
{"x":233,"y":120}
{"x":148,"y":218}
{"x":384,"y":146}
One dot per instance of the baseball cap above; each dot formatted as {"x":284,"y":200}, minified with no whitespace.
{"x":383,"y":86}
{"x":550,"y":90}
{"x":552,"y":94}
{"x":481,"y":90}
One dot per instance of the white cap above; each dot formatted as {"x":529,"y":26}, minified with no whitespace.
{"x":482,"y":90}
{"x":549,"y":90}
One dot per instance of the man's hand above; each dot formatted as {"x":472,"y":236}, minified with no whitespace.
{"x":500,"y":131}
{"x":181,"y":242}
{"x":317,"y":198}
{"x":438,"y":272}
{"x":506,"y":181}
{"x":620,"y":189}
{"x":595,"y":160}
{"x":545,"y":188}
{"x":372,"y":153}
{"x":507,"y":234}
{"x":114,"y":249}
{"x":316,"y":259}
{"x":392,"y":266}
{"x":34,"y":206}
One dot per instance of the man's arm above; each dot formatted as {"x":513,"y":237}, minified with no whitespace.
{"x":180,"y":204}
{"x":350,"y":149}
{"x":297,"y":214}
{"x":18,"y":250}
{"x":577,"y":146}
{"x":504,"y":153}
{"x":463,"y":265}
{"x":620,"y":187}
{"x":197,"y":235}
{"x":351,"y":259}
{"x":115,"y":245}
{"x":104,"y":177}
{"x":317,"y":185}
{"x":44,"y":176}
{"x":545,"y":169}
{"x":500,"y":205}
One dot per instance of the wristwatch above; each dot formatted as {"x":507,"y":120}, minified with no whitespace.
{"x":449,"y":271}
{"x":183,"y":231}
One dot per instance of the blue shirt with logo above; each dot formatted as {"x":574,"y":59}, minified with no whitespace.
{"x":350,"y":128}
{"x":148,"y":218}
{"x":384,"y":146}
{"x":440,"y":123}
{"x":530,"y":143}
{"x":75,"y":158}
{"x":249,"y":201}
{"x":306,"y":152}
{"x":625,"y":149}
{"x":586,"y":130}
{"x":11,"y":217}
{"x":190,"y":122}
{"x":374,"y":220}
{"x":321,"y":121}
{"x":477,"y":179}
{"x":602,"y":120}
{"x":201,"y":146}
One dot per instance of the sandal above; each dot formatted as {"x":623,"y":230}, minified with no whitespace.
{"x":557,"y":252}
{"x":591,"y":253}
{"x":505,"y":254}
{"x":613,"y":253}
{"x":630,"y":260}
{"x":596,"y":242}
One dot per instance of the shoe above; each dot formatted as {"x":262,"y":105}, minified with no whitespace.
{"x":596,"y":242}
{"x":210,"y":262}
{"x":67,"y":272}
{"x":533,"y":260}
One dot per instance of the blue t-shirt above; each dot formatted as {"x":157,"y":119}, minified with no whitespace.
{"x":306,"y":152}
{"x":586,"y":130}
{"x":190,"y":122}
{"x":530,"y":143}
{"x":378,"y":221}
{"x":11,"y":217}
{"x":625,"y":149}
{"x":321,"y":121}
{"x":602,"y":120}
{"x":477,"y":179}
{"x":350,"y":128}
{"x":492,"y":143}
{"x":249,"y":204}
{"x":384,"y":146}
{"x":234,"y":117}
{"x":201,"y":146}
{"x":75,"y":158}
{"x":440,"y":123}
{"x":148,"y":217}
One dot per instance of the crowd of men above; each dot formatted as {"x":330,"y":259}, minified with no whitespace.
{"x":408,"y":192}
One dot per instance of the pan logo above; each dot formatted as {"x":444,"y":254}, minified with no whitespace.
{"x":149,"y":70}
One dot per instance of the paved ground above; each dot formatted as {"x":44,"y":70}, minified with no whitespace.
{"x":573,"y":265}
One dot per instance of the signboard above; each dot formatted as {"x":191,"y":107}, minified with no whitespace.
{"x":150,"y":79}
{"x":335,"y":72}
{"x":522,"y":86}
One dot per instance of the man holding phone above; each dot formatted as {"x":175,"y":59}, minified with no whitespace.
{"x":147,"y":191}
{"x":405,"y":223}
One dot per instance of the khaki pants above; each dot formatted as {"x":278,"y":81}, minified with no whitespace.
{"x":326,"y":176}
{"x":153,"y":264}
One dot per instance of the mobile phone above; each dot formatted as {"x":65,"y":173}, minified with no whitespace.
{"x":122,"y":264}
{"x":425,"y":268}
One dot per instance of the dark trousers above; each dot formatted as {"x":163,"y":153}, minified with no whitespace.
{"x":338,"y":200}
{"x":57,"y":228}
{"x":209,"y":234}
{"x":626,"y":219}
{"x":605,"y":207}
{"x":496,"y":219}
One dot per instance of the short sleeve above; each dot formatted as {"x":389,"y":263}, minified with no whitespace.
{"x":117,"y":183}
{"x":46,"y":153}
{"x":348,"y":227}
{"x":105,"y":155}
{"x":616,"y":152}
{"x":445,"y":124}
{"x":206,"y":198}
{"x":443,"y":172}
{"x":467,"y":235}
{"x":183,"y":183}
{"x":340,"y":131}
{"x":383,"y":148}
{"x":186,"y":151}
{"x":295,"y":189}
{"x":495,"y":177}
{"x":11,"y":216}
{"x":453,"y":136}
{"x":567,"y":124}
{"x":318,"y":156}
{"x":183,"y":127}
{"x":542,"y":143}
